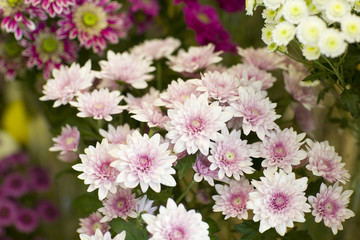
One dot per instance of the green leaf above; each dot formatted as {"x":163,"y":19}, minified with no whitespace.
{"x":213,"y":227}
{"x":133,"y":230}
{"x":350,"y":101}
{"x":297,"y":235}
{"x":162,"y":196}
{"x":322,"y":94}
{"x":249,"y":230}
{"x":87,"y":203}
{"x":315,"y":76}
{"x":184,"y":164}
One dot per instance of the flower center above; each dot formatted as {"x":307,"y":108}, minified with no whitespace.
{"x":4,"y":212}
{"x":12,"y":49}
{"x":120,"y":204}
{"x":203,"y":18}
{"x":230,"y":156}
{"x":13,"y":3}
{"x":237,"y":201}
{"x":69,"y":140}
{"x":177,"y":234}
{"x":49,"y":45}
{"x":96,"y":225}
{"x":279,"y":202}
{"x":329,"y":207}
{"x":89,"y":19}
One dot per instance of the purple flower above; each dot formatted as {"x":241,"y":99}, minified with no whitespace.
{"x":202,"y":170}
{"x":15,"y":185}
{"x":26,"y":220}
{"x":149,"y":7}
{"x":7,"y":212}
{"x":47,"y":211}
{"x":231,"y":5}
{"x":39,"y":179}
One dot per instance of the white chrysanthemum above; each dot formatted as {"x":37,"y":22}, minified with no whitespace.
{"x":258,"y":112}
{"x":310,"y":29}
{"x":174,"y":222}
{"x":249,"y":7}
{"x":128,"y":68}
{"x":150,"y":114}
{"x":331,"y":43}
{"x":156,"y":48}
{"x":99,"y":236}
{"x":196,"y":58}
{"x":350,"y":26}
{"x":311,"y":53}
{"x":283,"y":33}
{"x":281,"y":149}
{"x":325,"y":162}
{"x":145,"y":161}
{"x":67,"y":82}
{"x":194,"y":123}
{"x":145,"y":205}
{"x":232,"y":199}
{"x":96,"y":169}
{"x":99,"y":104}
{"x":273,"y":4}
{"x":320,"y":4}
{"x":231,"y":155}
{"x":266,"y":34}
{"x":269,"y":15}
{"x":116,"y":135}
{"x":336,"y":9}
{"x":279,"y":201}
{"x":294,"y":11}
{"x":330,"y":205}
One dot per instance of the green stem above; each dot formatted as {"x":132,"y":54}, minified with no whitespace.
{"x":158,"y":75}
{"x":336,"y":71}
{"x":185,"y":192}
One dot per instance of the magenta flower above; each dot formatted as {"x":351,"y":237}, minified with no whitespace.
{"x":15,"y":185}
{"x":149,"y":7}
{"x":231,"y":5}
{"x":39,"y":179}
{"x":89,"y":224}
{"x":47,"y":51}
{"x":47,"y":211}
{"x":11,"y":58}
{"x":94,"y":23}
{"x":7,"y":212}
{"x":53,"y":7}
{"x":27,"y":220}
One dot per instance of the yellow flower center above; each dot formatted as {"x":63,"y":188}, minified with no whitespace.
{"x":89,"y":19}
{"x":49,"y":45}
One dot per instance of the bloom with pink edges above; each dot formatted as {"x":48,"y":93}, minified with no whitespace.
{"x":103,"y":236}
{"x":67,"y":82}
{"x":156,"y":48}
{"x":144,"y":160}
{"x":67,"y":141}
{"x":330,"y":205}
{"x":26,"y":220}
{"x":95,"y":23}
{"x":116,"y":135}
{"x":278,"y":201}
{"x":202,"y":170}
{"x":120,"y":204}
{"x":325,"y":162}
{"x":232,"y":198}
{"x":134,"y":103}
{"x":97,"y":170}
{"x":150,"y":114}
{"x":53,"y":7}
{"x":262,"y":58}
{"x":174,"y":222}
{"x":194,"y":123}
{"x":99,"y":104}
{"x":89,"y":224}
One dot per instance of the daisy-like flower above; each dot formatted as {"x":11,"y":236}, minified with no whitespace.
{"x":196,"y":58}
{"x":279,"y":201}
{"x":145,"y":205}
{"x":99,"y":104}
{"x":219,"y":86}
{"x":273,"y":4}
{"x":231,"y":155}
{"x":67,"y":82}
{"x":194,"y":123}
{"x":136,"y":102}
{"x":156,"y":48}
{"x":94,"y":23}
{"x":281,"y":149}
{"x":177,"y":91}
{"x":116,"y":135}
{"x":119,"y":205}
{"x":332,"y":43}
{"x":258,"y":112}
{"x":325,"y":162}
{"x":330,"y":205}
{"x":311,"y":53}
{"x":100,"y":236}
{"x":150,"y":114}
{"x":97,"y":170}
{"x":67,"y":141}
{"x":145,"y":161}
{"x":89,"y":224}
{"x":336,"y":9}
{"x":202,"y":170}
{"x":53,"y":7}
{"x":283,"y":33}
{"x":127,"y":68}
{"x":47,"y":51}
{"x":294,"y":11}
{"x":232,"y":199}
{"x":350,"y":27}
{"x":174,"y":222}
{"x":310,"y":29}
{"x":261,"y":58}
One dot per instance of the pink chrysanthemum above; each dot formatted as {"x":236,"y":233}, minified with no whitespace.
{"x":96,"y":169}
{"x":89,"y":224}
{"x":150,"y":114}
{"x":281,"y":149}
{"x":11,"y":59}
{"x":195,"y":59}
{"x":53,"y":7}
{"x":119,"y":205}
{"x":126,"y":68}
{"x":258,"y":112}
{"x":194,"y":123}
{"x":279,"y":200}
{"x":67,"y":141}
{"x":231,"y":155}
{"x":94,"y":23}
{"x":174,"y":222}
{"x":262,"y":58}
{"x":134,"y":103}
{"x":219,"y":86}
{"x":156,"y":48}
{"x":145,"y":205}
{"x":325,"y":162}
{"x":202,"y":170}
{"x":47,"y":51}
{"x":145,"y":161}
{"x":99,"y":104}
{"x":177,"y":91}
{"x":232,"y":199}
{"x":103,"y":236}
{"x":67,"y":82}
{"x":330,"y":205}
{"x":116,"y":135}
